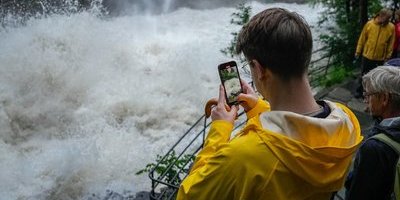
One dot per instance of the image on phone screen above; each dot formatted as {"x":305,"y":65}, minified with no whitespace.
{"x":230,"y":79}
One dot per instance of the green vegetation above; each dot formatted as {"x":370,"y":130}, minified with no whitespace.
{"x":170,"y":166}
{"x":240,"y":18}
{"x":228,"y":75}
{"x":341,"y":36}
{"x":336,"y":74}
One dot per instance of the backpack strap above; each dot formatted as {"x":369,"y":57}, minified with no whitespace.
{"x":387,"y":140}
{"x":396,"y":147}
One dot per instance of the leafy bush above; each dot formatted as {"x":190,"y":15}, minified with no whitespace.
{"x":170,"y":166}
{"x":335,"y":75}
{"x":240,"y":18}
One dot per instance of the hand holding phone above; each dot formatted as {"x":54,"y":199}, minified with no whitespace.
{"x":222,"y":111}
{"x":248,"y":99}
{"x":230,"y":79}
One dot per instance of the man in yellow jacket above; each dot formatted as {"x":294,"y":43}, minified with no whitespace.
{"x":375,"y":43}
{"x":292,"y":146}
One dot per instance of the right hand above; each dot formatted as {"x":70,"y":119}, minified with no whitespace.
{"x":222,"y":111}
{"x":356,"y":56}
{"x":248,"y":99}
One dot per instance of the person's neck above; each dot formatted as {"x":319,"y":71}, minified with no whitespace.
{"x":379,"y":22}
{"x":390,"y":114}
{"x":294,"y":95}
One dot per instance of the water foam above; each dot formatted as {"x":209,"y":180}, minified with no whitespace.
{"x":86,"y":102}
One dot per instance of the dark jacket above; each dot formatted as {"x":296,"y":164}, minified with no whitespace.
{"x":374,"y":167}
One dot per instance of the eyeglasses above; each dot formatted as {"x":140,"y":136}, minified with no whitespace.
{"x":246,"y":67}
{"x":368,"y":94}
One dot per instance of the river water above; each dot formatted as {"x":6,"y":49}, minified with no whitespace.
{"x":86,"y":101}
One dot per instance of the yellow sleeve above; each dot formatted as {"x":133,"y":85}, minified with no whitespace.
{"x":234,"y":170}
{"x":207,"y":179}
{"x":229,"y":169}
{"x":362,"y":39}
{"x":260,"y":107}
{"x":219,"y":133}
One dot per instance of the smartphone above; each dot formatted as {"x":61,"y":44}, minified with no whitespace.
{"x":230,"y":79}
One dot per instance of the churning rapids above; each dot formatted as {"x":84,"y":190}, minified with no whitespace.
{"x":86,"y":101}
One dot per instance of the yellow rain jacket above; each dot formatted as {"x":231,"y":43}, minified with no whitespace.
{"x":376,"y":41}
{"x":277,"y":155}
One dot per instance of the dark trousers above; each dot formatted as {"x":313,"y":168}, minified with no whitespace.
{"x":366,"y":66}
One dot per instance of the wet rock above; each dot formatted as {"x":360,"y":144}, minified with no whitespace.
{"x":128,"y":195}
{"x":142,"y":195}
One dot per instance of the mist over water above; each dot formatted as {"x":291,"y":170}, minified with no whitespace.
{"x":87,"y":101}
{"x":123,"y":7}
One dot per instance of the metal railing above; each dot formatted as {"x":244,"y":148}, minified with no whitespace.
{"x":165,"y":184}
{"x":319,"y":65}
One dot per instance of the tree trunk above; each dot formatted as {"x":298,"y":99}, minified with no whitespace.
{"x":363,"y":12}
{"x":348,"y":10}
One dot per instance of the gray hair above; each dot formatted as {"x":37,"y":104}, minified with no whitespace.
{"x":385,"y":79}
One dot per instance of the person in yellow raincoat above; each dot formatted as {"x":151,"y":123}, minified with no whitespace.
{"x":292,"y":146}
{"x":375,"y":44}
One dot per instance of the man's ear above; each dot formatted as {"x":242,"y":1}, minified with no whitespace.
{"x":262,"y":73}
{"x":259,"y":69}
{"x":385,"y":99}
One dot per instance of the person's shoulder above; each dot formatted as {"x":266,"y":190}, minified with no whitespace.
{"x":244,"y":143}
{"x":391,"y":25}
{"x":249,"y":152}
{"x":248,"y":145}
{"x":372,"y":145}
{"x":370,"y":22}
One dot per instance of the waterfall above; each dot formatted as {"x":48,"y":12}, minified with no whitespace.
{"x":87,"y":100}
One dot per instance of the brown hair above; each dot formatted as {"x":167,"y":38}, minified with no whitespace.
{"x":279,"y":40}
{"x":385,"y":12}
{"x":397,"y":12}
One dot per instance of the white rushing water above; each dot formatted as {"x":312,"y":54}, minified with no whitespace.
{"x":86,"y":102}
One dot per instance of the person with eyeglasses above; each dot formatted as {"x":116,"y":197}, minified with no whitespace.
{"x":374,"y":166}
{"x":292,"y":146}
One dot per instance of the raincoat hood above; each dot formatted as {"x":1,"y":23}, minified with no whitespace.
{"x":277,"y":155}
{"x":390,"y":126}
{"x":316,"y":149}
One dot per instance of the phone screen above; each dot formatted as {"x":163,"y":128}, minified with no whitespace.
{"x":230,"y":79}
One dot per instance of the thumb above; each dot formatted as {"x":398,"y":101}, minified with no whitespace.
{"x":248,"y":101}
{"x":245,"y":97}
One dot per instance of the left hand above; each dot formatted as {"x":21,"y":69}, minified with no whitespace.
{"x":222,"y":111}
